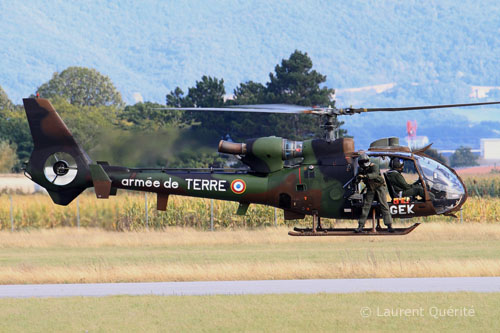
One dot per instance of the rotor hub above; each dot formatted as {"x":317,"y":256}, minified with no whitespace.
{"x":61,"y":168}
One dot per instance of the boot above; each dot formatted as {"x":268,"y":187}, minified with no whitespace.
{"x":390,"y":228}
{"x":359,"y":229}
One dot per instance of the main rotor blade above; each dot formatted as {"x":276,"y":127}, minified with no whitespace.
{"x":409,"y":108}
{"x":329,"y":111}
{"x":269,"y":108}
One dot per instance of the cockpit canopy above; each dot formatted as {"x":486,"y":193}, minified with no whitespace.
{"x":443,"y":183}
{"x":443,"y":187}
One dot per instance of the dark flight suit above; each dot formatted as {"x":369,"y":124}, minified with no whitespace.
{"x":375,"y":188}
{"x":399,"y":184}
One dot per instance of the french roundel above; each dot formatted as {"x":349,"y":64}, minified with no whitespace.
{"x":238,"y":186}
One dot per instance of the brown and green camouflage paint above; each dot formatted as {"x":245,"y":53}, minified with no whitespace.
{"x":315,"y":186}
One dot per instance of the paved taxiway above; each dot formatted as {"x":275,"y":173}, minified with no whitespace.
{"x":472,"y":284}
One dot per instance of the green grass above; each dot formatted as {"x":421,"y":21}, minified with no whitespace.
{"x":251,"y":313}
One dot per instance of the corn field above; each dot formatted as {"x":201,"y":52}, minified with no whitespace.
{"x":485,"y":186}
{"x":127,"y":212}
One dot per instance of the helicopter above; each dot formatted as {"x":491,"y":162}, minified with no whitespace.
{"x":320,"y":181}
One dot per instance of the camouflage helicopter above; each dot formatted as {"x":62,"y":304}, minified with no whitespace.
{"x":321,"y":182}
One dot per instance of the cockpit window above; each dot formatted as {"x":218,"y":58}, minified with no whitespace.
{"x":446,"y":187}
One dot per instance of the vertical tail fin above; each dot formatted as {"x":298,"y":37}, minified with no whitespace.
{"x":57,"y":162}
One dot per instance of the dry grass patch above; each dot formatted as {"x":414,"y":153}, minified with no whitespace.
{"x":248,"y":271}
{"x":70,"y":255}
{"x":93,"y":237}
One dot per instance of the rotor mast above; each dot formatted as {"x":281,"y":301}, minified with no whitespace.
{"x":331,"y":126}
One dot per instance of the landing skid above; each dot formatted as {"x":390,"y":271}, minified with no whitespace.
{"x":350,"y":231}
{"x":375,"y":230}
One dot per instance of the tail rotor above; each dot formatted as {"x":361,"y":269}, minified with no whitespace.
{"x":60,"y":169}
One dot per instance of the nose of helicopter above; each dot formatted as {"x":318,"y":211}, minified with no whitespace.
{"x":447,"y":202}
{"x":448,"y":190}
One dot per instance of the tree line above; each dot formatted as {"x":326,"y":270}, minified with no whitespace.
{"x":144,"y":135}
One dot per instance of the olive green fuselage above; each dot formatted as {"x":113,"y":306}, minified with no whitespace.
{"x":301,"y":189}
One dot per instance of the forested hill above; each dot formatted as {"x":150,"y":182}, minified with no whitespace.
{"x":153,"y":46}
{"x":431,"y":51}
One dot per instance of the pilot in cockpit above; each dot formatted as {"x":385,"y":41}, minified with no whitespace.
{"x":399,"y":184}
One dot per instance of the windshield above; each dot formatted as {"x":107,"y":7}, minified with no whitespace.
{"x":447,"y":189}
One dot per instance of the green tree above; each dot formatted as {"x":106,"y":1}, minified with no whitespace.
{"x":87,"y":123}
{"x":8,"y":157}
{"x":208,"y":92}
{"x":250,"y":93}
{"x":149,"y":117}
{"x":294,"y":82}
{"x":83,"y":87}
{"x":14,"y":129}
{"x":176,"y":98}
{"x":462,"y":157}
{"x":5,"y":102}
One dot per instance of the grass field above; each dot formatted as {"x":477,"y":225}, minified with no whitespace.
{"x":92,"y":255}
{"x":425,"y":312}
{"x":45,"y":248}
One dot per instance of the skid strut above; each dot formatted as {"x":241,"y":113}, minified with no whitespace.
{"x":316,"y":224}
{"x":373,"y":221}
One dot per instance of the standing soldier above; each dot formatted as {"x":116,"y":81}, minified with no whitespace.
{"x":369,"y":173}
